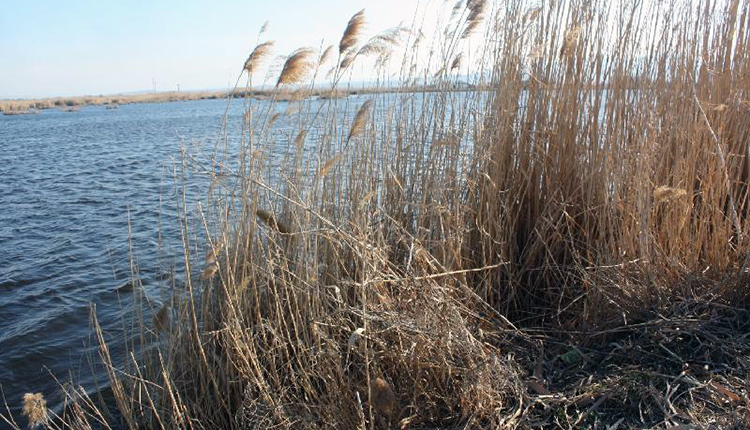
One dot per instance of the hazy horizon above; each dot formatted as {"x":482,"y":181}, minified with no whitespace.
{"x":84,"y":47}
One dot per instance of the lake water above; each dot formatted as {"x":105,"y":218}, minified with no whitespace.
{"x":84,"y":198}
{"x":74,"y":188}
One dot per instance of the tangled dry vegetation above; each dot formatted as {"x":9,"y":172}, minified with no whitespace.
{"x":566,"y":250}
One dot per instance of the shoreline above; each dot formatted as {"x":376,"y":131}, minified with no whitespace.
{"x":72,"y":104}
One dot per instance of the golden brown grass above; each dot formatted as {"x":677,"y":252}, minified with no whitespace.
{"x":9,"y":106}
{"x":35,"y":409}
{"x":352,"y":32}
{"x":20,"y":107}
{"x":360,"y":119}
{"x":297,"y":67}
{"x":566,"y":250}
{"x":260,"y":53}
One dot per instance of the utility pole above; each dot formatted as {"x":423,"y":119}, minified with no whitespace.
{"x":178,"y":88}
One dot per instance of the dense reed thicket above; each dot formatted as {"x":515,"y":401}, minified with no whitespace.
{"x":555,"y":246}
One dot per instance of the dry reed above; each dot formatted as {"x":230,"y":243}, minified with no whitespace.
{"x":296,"y":67}
{"x":475,"y":16}
{"x":360,"y":120}
{"x":351,"y":33}
{"x":560,"y":245}
{"x":35,"y":409}
{"x":260,"y":53}
{"x":326,"y":55}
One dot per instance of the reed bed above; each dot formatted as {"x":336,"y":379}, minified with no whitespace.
{"x":568,"y":249}
{"x":21,"y":106}
{"x":34,"y":106}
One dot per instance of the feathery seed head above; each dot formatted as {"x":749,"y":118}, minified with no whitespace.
{"x":456,"y":62}
{"x":353,"y":29}
{"x":296,"y":67}
{"x":476,"y":15}
{"x":256,"y":57}
{"x":570,"y":41}
{"x":359,"y":120}
{"x":326,"y":55}
{"x":668,"y":194}
{"x":348,"y":59}
{"x":35,"y":409}
{"x":273,"y":119}
{"x":383,"y":43}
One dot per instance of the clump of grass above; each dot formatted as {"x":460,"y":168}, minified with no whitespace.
{"x":475,"y":256}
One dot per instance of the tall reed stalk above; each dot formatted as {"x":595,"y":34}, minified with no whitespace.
{"x":593,"y":166}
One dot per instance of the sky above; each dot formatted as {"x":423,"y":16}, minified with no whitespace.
{"x":52,"y":48}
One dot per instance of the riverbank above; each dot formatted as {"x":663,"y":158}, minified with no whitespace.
{"x":567,"y":250}
{"x":71,"y":104}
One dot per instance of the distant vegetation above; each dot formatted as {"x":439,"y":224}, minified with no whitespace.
{"x":566,"y":250}
{"x":21,"y":106}
{"x":14,"y":106}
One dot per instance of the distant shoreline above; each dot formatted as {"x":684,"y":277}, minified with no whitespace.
{"x":72,"y":104}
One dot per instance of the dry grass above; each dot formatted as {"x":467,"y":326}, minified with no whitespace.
{"x":34,"y":106}
{"x":35,"y":409}
{"x":11,"y":107}
{"x":260,"y":53}
{"x":352,"y":32}
{"x":566,"y":250}
{"x":360,"y":119}
{"x":297,"y":67}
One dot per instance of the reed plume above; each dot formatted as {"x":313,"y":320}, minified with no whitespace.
{"x":456,"y":63}
{"x":258,"y":55}
{"x":668,"y":194}
{"x":296,"y":67}
{"x":264,"y":28}
{"x":326,"y":55}
{"x":383,"y":44}
{"x":456,"y":9}
{"x":273,"y":119}
{"x":329,"y":165}
{"x":588,"y":200}
{"x":570,"y":41}
{"x":35,"y":409}
{"x":353,"y":29}
{"x":532,"y":14}
{"x":272,"y":222}
{"x":476,"y":15}
{"x":348,"y":60}
{"x":300,"y":139}
{"x":209,"y":271}
{"x":359,"y":120}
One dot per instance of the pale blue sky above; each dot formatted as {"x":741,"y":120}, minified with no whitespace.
{"x":87,"y":47}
